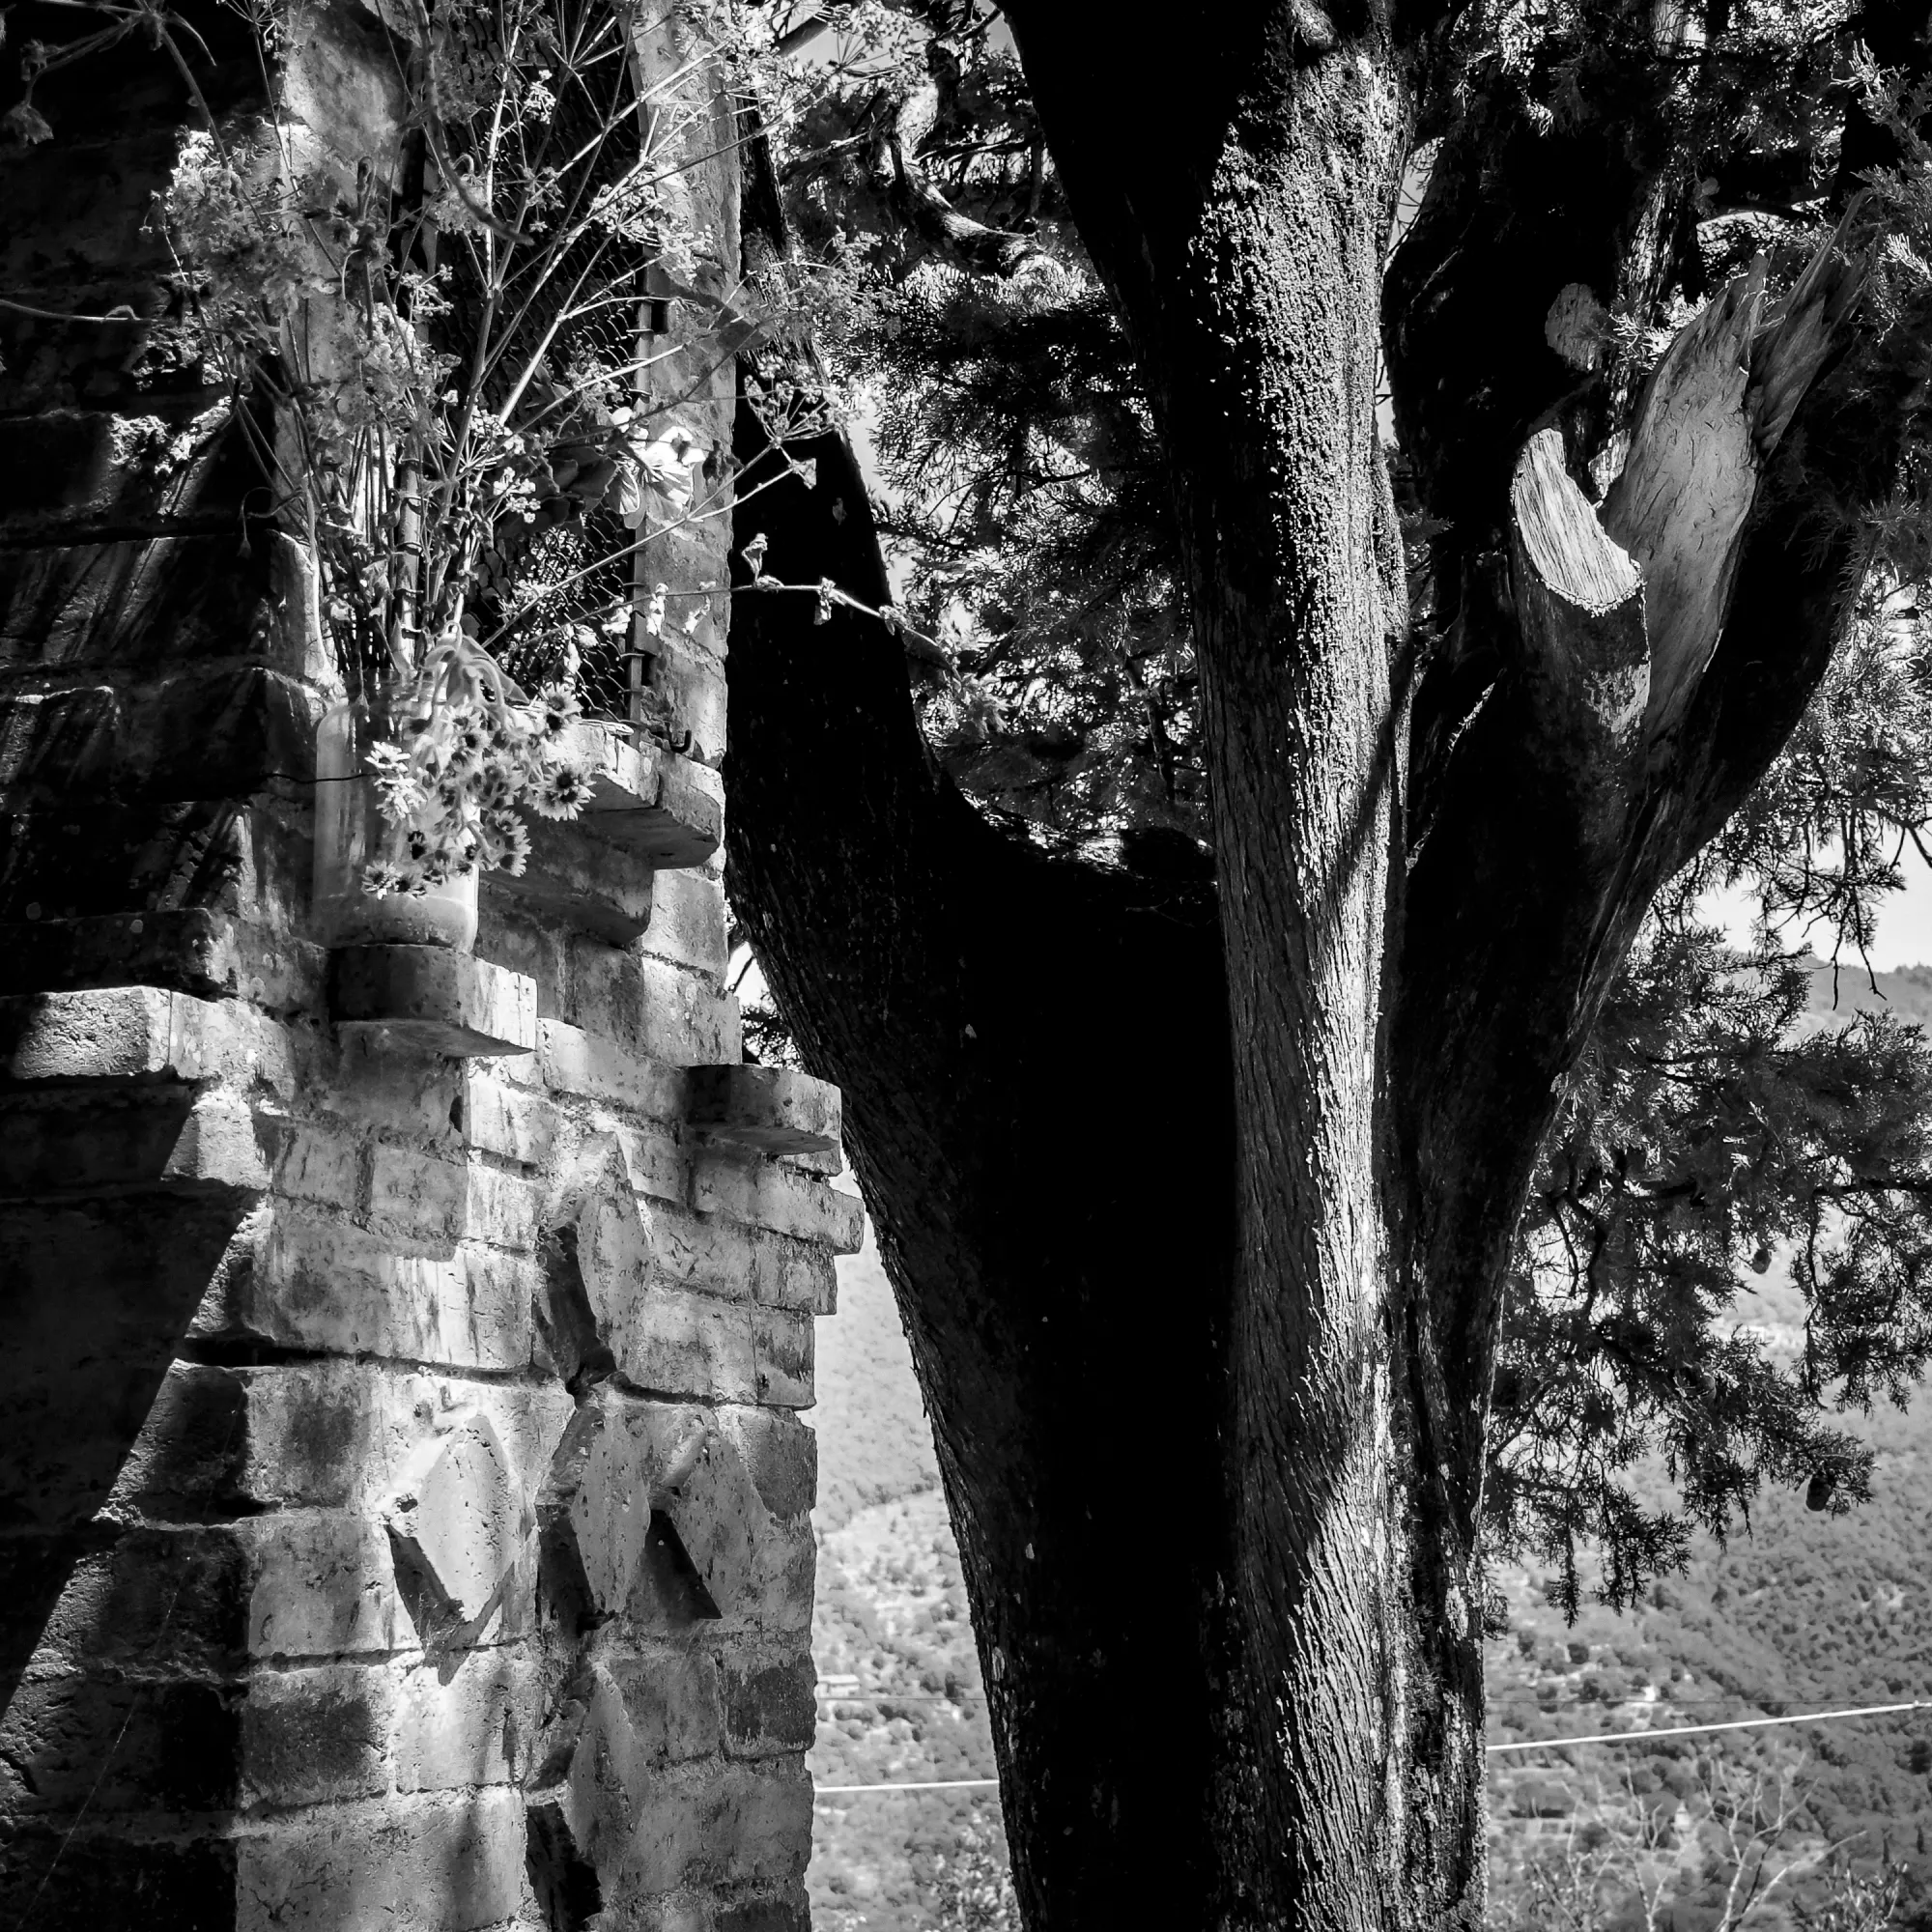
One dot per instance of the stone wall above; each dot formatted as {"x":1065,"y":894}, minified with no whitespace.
{"x":404,"y":1505}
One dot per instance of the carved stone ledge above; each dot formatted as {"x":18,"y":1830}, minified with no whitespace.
{"x":771,"y":1108}
{"x":664,"y":809}
{"x":434,"y":999}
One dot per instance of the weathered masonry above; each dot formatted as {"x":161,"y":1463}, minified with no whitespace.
{"x":404,"y":1505}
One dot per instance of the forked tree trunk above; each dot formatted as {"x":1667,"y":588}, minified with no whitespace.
{"x":1215,"y":1458}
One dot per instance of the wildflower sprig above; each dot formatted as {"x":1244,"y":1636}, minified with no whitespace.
{"x":466,"y":426}
{"x":469,"y":759}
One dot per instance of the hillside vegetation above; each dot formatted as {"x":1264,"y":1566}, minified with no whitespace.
{"x":1803,"y":1610}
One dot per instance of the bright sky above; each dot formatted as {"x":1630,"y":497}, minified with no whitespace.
{"x":1904,"y":926}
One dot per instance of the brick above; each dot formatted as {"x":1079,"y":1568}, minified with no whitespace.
{"x":570,"y":1061}
{"x":456,"y":1526}
{"x":781,"y":1348}
{"x":769,"y":1705}
{"x":185,"y":949}
{"x":594,"y":1508}
{"x":688,"y":923}
{"x":781,"y":1455}
{"x":740,"y":1823}
{"x":323,"y":1282}
{"x":449,"y":1731}
{"x":434,"y":999}
{"x":672,"y":1699}
{"x":650,"y":1008}
{"x":772,"y":1109}
{"x":76,"y":1742}
{"x":506,"y":1121}
{"x":448,"y":1861}
{"x":766,"y":1195}
{"x":316,"y":1736}
{"x":686,"y":1344}
{"x":321,"y":1163}
{"x":724,"y":1258}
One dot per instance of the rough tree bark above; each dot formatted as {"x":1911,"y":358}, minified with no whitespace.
{"x":1210,"y":1392}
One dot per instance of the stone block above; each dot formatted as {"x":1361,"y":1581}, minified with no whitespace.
{"x":76,"y":1742}
{"x":323,"y":1585}
{"x":434,"y":999}
{"x":321,"y":1281}
{"x":659,"y":1167}
{"x":765,"y":1195}
{"x":724,"y":1258}
{"x":454,"y":1861}
{"x":189,"y":949}
{"x":576,"y":879}
{"x":781,"y":1346}
{"x":606,"y":1785}
{"x":208,"y":731}
{"x":326,"y":1435}
{"x":692,"y":684}
{"x":773,"y":1109}
{"x":452,"y":1730}
{"x":323,"y":1163}
{"x":315,"y":1736}
{"x":119,"y":1033}
{"x":706,"y":1490}
{"x":769,"y":1705}
{"x":571,"y":1061}
{"x":686,"y":1344}
{"x":407,"y":1097}
{"x":152,"y":1601}
{"x":782,"y":1454}
{"x":737,"y":1824}
{"x":509,"y":1122}
{"x":419,"y":1199}
{"x":688,"y":923}
{"x":456,"y":1528}
{"x":650,"y":1007}
{"x":594,"y":1509}
{"x":66,"y":1141}
{"x":671,"y":1695}
{"x":607,"y":1229}
{"x":92,"y":1879}
{"x":785,"y":1911}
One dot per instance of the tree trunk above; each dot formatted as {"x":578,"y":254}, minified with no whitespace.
{"x":1276,"y":1720}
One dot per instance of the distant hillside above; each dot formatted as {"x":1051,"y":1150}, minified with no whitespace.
{"x":1837,"y":992}
{"x":899,"y":1693}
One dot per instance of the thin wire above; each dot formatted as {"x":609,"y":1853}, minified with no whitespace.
{"x":1489,"y":1750}
{"x":935,"y":1784}
{"x":1686,"y":1730}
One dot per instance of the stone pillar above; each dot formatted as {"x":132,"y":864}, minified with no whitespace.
{"x":404,"y":1505}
